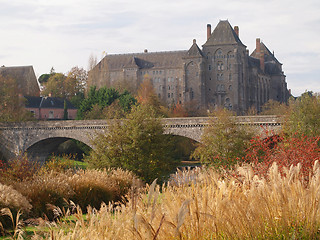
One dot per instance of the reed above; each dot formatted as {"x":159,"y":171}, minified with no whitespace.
{"x":212,"y":206}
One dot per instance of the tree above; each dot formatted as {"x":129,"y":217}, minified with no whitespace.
{"x":92,"y":62}
{"x":303,"y":118}
{"x":178,"y":111}
{"x":66,"y":86}
{"x":12,"y":102}
{"x":137,"y":144}
{"x":43,"y":79}
{"x":65,"y":110}
{"x":146,"y":94}
{"x":273,"y":107}
{"x":223,"y":142}
{"x":55,"y":86}
{"x":94,"y":105}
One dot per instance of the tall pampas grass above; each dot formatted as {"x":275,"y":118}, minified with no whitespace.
{"x":214,"y":206}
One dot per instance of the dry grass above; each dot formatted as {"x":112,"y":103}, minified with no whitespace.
{"x":52,"y":188}
{"x":11,"y":198}
{"x":92,"y":187}
{"x":211,"y":206}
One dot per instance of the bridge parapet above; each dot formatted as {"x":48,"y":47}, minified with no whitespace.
{"x":18,"y":137}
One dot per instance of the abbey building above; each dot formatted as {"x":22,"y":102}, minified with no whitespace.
{"x":221,"y":73}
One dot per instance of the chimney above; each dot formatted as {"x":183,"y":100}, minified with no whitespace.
{"x":262,"y":60}
{"x":236,"y":29}
{"x":258,"y":46}
{"x":208,"y":31}
{"x":194,"y":41}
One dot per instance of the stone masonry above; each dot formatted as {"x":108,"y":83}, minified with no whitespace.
{"x":41,"y":138}
{"x":221,"y":74}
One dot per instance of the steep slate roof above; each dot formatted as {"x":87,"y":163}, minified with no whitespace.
{"x":47,"y":102}
{"x":25,"y":77}
{"x":272,"y":65}
{"x":268,"y":56}
{"x":195,"y":51}
{"x":145,"y":60}
{"x":223,"y":34}
{"x":254,"y":62}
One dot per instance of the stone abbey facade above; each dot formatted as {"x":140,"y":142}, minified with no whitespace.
{"x":222,"y":73}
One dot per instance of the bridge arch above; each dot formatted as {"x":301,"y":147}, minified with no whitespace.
{"x":41,"y":149}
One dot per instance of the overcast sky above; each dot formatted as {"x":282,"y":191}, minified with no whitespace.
{"x":63,"y":33}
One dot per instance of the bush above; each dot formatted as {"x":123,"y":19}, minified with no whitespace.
{"x":84,"y":187}
{"x":93,"y":187}
{"x":15,"y":201}
{"x":49,"y":188}
{"x":223,"y":142}
{"x":18,"y":169}
{"x":284,"y":151}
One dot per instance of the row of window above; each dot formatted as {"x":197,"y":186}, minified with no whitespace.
{"x":156,"y":72}
{"x":170,"y":79}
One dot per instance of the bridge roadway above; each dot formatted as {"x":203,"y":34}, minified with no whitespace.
{"x":39,"y":138}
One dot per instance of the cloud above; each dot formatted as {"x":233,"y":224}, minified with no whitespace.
{"x":63,"y":33}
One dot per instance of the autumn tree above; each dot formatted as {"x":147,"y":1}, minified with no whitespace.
{"x":223,"y":142}
{"x":273,"y":107}
{"x":66,"y":86}
{"x":137,"y":144}
{"x":178,"y":111}
{"x":146,"y":94}
{"x":12,"y":103}
{"x":303,"y":118}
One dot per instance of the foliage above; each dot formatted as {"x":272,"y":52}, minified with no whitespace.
{"x":285,"y":152}
{"x":177,"y":110}
{"x":44,"y":78}
{"x":210,"y":206}
{"x":95,"y":104}
{"x":18,"y":169}
{"x":136,"y":144}
{"x":11,"y":198}
{"x":59,"y":182}
{"x":147,"y":95}
{"x":93,"y":187}
{"x":223,"y":142}
{"x":77,"y":99}
{"x":66,"y":86}
{"x":304,"y":116}
{"x":273,"y":107}
{"x":48,"y":188}
{"x":65,"y":110}
{"x":11,"y":102}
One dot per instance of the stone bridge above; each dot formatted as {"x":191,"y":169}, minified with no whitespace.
{"x":41,"y":138}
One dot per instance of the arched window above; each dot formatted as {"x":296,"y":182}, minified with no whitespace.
{"x":218,"y":54}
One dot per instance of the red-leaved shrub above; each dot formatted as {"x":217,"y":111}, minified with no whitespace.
{"x":285,"y":151}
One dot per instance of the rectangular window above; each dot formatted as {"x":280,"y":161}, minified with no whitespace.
{"x":209,"y":67}
{"x":168,"y":95}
